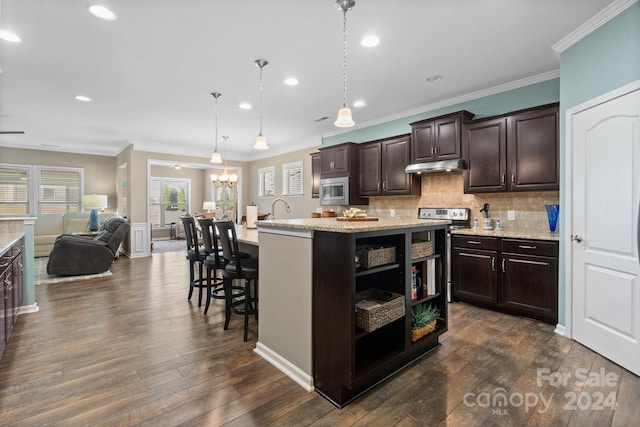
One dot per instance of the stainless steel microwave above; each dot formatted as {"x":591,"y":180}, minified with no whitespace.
{"x":334,"y":191}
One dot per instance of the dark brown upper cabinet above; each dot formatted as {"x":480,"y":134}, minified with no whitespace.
{"x":315,"y":175}
{"x":513,"y":152}
{"x":381,"y":165}
{"x":438,"y":138}
{"x":338,"y":160}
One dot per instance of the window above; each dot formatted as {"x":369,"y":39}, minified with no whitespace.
{"x":59,"y":190}
{"x":292,"y":179}
{"x":267,"y":184}
{"x":14,"y":190}
{"x":168,"y":200}
{"x":32,"y":190}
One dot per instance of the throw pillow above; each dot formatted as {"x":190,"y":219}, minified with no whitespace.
{"x":76,"y":225}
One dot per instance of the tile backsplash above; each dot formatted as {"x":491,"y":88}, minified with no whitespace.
{"x":447,"y":190}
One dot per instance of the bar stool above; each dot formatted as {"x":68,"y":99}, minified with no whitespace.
{"x":195,"y":254}
{"x":237,"y":268}
{"x":213,"y":262}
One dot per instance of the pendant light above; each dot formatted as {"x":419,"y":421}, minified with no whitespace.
{"x":344,"y":113}
{"x":224,"y":180}
{"x":215,"y":157}
{"x":261,"y":140}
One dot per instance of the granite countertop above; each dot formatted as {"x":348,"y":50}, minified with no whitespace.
{"x":335,"y":226}
{"x":246,"y":235}
{"x":515,"y":234}
{"x":7,"y":240}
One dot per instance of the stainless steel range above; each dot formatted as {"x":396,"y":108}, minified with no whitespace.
{"x":459,"y":219}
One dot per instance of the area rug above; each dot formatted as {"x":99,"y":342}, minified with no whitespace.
{"x":169,"y":246}
{"x":42,"y":278}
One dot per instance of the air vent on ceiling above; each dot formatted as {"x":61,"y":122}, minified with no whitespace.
{"x":322,"y":118}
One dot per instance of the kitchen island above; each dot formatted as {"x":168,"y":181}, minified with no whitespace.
{"x":310,"y":278}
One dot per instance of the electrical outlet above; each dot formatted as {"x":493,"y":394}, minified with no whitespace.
{"x":392,"y":213}
{"x":511,"y":215}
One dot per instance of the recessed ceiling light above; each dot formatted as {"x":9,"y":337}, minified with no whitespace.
{"x":359,"y":103}
{"x":102,"y":12}
{"x":433,"y":78}
{"x":370,"y":41}
{"x":9,"y":36}
{"x":291,"y":81}
{"x":82,"y":98}
{"x":245,"y":106}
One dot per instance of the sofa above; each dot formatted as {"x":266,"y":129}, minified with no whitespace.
{"x":49,"y":226}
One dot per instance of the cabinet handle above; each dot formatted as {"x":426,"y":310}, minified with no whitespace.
{"x":502,"y":179}
{"x":433,"y":149}
{"x":504,"y":270}
{"x":4,"y":265}
{"x":513,"y":179}
{"x":474,"y":242}
{"x":493,"y":263}
{"x":384,"y":185}
{"x":378,"y":185}
{"x":526,"y":247}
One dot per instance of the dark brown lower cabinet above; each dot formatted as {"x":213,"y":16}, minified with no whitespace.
{"x":10,"y":291}
{"x":347,"y":360}
{"x":510,"y":275}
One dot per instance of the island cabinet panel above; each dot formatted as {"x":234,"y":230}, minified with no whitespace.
{"x":349,"y":358}
{"x":438,"y":138}
{"x":514,"y":276}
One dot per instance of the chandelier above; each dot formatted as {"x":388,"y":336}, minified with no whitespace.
{"x":224,"y":180}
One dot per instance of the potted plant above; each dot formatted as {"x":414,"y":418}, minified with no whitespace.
{"x":423,"y":320}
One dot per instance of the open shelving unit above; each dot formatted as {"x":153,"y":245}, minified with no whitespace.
{"x":348,"y":360}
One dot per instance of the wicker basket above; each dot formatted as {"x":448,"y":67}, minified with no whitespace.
{"x":370,"y":256}
{"x":416,"y":334}
{"x":376,"y":308}
{"x":421,"y":249}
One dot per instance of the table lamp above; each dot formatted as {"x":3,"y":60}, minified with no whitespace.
{"x":209,"y":206}
{"x":94,"y":202}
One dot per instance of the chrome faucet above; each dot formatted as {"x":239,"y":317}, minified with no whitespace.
{"x":273,"y":204}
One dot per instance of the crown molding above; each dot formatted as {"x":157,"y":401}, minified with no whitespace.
{"x":453,"y":101}
{"x":608,"y":13}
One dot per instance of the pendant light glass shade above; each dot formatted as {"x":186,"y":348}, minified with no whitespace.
{"x":216,"y":157}
{"x":261,"y":140}
{"x":344,"y":119}
{"x":261,"y":143}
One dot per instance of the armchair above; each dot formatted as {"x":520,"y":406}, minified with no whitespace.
{"x":76,"y":255}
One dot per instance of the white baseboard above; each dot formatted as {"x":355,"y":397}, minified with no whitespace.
{"x":560,"y":330}
{"x":24,"y":309}
{"x":290,"y":370}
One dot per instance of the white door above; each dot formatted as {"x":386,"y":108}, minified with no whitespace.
{"x":605,"y":143}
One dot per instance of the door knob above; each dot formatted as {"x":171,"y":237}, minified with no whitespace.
{"x":576,"y":238}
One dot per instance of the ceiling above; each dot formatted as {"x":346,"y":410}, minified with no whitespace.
{"x":150,"y":72}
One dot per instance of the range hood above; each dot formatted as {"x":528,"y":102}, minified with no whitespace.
{"x":435,"y":167}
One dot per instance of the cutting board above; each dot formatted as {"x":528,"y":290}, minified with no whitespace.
{"x":366,"y":218}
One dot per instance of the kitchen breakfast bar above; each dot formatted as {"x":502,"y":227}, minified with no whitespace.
{"x":336,"y":299}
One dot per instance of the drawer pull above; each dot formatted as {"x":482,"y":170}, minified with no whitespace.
{"x":526,"y":247}
{"x":474,"y":242}
{"x":4,"y":265}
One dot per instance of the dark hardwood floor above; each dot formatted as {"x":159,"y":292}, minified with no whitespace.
{"x":130,"y":349}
